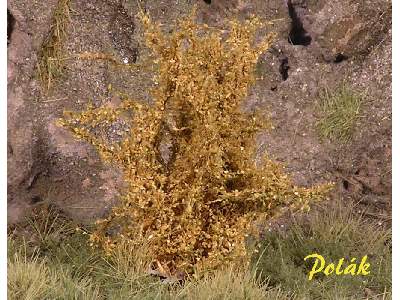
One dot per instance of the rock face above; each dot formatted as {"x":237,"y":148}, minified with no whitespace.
{"x":355,"y":33}
{"x":122,"y":30}
{"x":22,"y":144}
{"x":45,"y":163}
{"x":319,"y":43}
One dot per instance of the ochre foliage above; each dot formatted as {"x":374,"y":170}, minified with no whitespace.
{"x":195,"y":207}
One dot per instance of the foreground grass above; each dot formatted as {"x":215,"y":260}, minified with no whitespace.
{"x":57,"y":263}
{"x":120,"y":277}
{"x":339,"y":111}
{"x":333,"y":233}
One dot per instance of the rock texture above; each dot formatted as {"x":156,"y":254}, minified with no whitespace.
{"x":319,"y":44}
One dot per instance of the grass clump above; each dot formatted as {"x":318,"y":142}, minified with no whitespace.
{"x":34,"y":277}
{"x":27,"y":278}
{"x":234,"y":282}
{"x":48,"y":226}
{"x":195,"y":207}
{"x":339,"y":111}
{"x":333,"y":233}
{"x":51,"y":58}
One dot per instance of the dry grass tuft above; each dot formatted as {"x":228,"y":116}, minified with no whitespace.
{"x":27,"y":278}
{"x":51,"y":58}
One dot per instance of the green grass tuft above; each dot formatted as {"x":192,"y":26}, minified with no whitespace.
{"x":334,"y":234}
{"x":339,"y":111}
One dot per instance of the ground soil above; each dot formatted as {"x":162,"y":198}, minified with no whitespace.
{"x":344,"y":40}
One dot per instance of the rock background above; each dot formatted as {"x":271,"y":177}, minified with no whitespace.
{"x":319,"y":44}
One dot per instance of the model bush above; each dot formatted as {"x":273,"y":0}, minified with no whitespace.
{"x":193,"y":189}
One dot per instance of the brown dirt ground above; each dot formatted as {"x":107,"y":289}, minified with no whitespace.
{"x":68,"y":173}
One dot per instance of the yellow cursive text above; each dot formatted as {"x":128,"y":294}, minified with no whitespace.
{"x":351,"y":269}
